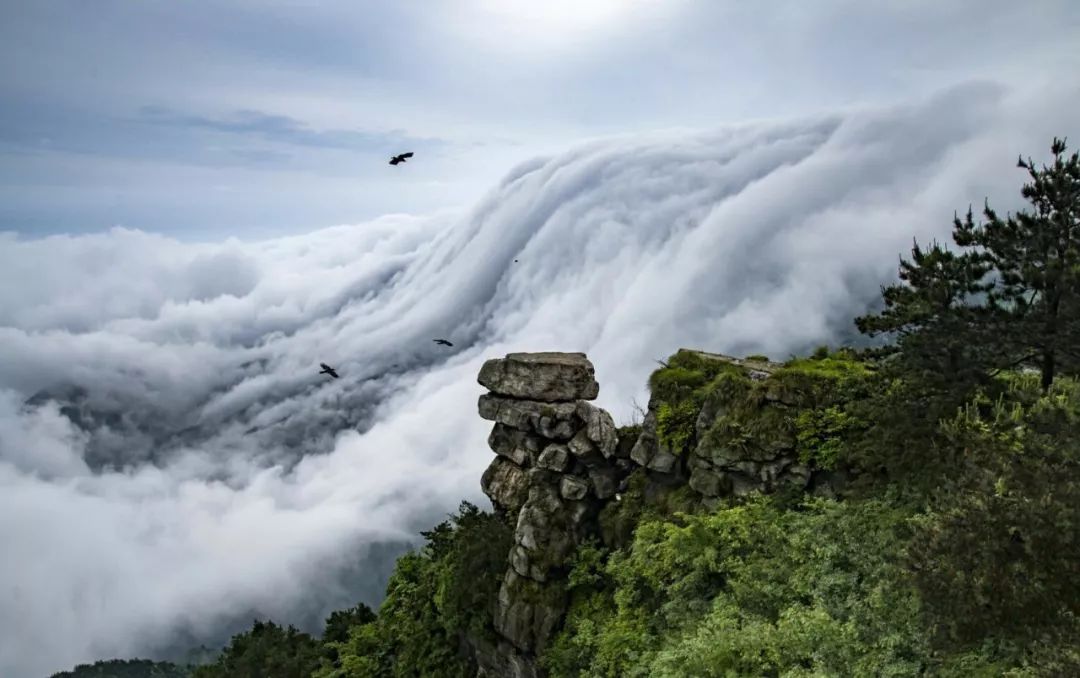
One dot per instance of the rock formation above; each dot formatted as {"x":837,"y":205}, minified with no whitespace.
{"x":555,"y":465}
{"x":559,"y":461}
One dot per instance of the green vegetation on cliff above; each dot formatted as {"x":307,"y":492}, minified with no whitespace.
{"x":125,"y":668}
{"x":911,"y":510}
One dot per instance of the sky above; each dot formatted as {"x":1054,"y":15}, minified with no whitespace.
{"x":198,"y":211}
{"x":251,"y":118}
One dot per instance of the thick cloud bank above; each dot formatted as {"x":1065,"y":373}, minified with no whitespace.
{"x":171,"y":461}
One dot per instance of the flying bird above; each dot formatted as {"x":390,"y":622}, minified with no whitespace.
{"x":326,"y":369}
{"x":400,"y":158}
{"x":442,"y":342}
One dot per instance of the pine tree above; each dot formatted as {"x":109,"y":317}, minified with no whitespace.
{"x":1036,"y":258}
{"x":934,"y":318}
{"x":1009,"y":298}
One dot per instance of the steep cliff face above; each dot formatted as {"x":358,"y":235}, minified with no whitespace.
{"x":718,"y":426}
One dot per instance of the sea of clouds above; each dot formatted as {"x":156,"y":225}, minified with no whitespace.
{"x":172,"y":463}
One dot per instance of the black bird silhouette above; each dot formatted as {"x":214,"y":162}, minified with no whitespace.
{"x":326,"y":369}
{"x":442,"y":342}
{"x":400,"y":158}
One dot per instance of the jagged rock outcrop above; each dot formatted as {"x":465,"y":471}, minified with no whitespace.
{"x":733,"y":457}
{"x":560,"y":461}
{"x":554,"y":468}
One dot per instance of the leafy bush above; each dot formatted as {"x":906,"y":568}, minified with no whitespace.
{"x":434,"y":599}
{"x":126,"y":668}
{"x":675,"y":425}
{"x":998,"y":554}
{"x":266,"y":650}
{"x":749,"y":590}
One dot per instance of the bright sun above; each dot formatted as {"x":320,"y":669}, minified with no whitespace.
{"x":554,"y":14}
{"x":538,"y":23}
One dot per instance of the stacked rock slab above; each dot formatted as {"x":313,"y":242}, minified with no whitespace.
{"x":555,"y":466}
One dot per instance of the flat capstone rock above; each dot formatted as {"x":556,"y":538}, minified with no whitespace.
{"x":547,"y":377}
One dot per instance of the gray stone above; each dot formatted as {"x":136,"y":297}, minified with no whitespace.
{"x":522,"y":562}
{"x":713,"y":409}
{"x":544,"y":490}
{"x":555,"y":457}
{"x":663,"y":461}
{"x":742,"y":486}
{"x":517,"y":446}
{"x":501,"y":660}
{"x":708,"y":482}
{"x":644,"y":449}
{"x":549,"y":377}
{"x":555,"y":421}
{"x":722,"y":456}
{"x":771,"y":472}
{"x":548,"y":528}
{"x":799,"y":476}
{"x":625,"y":444}
{"x":604,"y":482}
{"x":528,"y":612}
{"x":599,"y":428}
{"x":506,"y":484}
{"x":585,"y":450}
{"x":573,"y":488}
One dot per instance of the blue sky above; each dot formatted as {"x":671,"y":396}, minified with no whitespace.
{"x":205,"y":120}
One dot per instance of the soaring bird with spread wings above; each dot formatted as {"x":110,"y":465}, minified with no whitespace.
{"x":400,"y":158}
{"x":442,"y":342}
{"x":326,"y":369}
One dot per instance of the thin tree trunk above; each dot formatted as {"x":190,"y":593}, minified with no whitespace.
{"x":1047,"y":369}
{"x":1048,"y":357}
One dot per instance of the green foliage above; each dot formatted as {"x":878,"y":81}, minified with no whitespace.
{"x":266,"y":650}
{"x":640,"y":501}
{"x":749,"y":590}
{"x":685,"y":374}
{"x":627,"y":436}
{"x":813,"y":382}
{"x":675,"y":425}
{"x":408,"y":638}
{"x":822,"y":435}
{"x":434,"y":599}
{"x":1011,"y":297}
{"x":340,"y":621}
{"x":808,"y":404}
{"x":471,"y":570}
{"x":125,"y":668}
{"x":997,"y":553}
{"x":1035,"y":256}
{"x":338,"y":627}
{"x":619,"y":519}
{"x":936,"y":318}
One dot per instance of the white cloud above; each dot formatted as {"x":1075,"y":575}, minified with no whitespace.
{"x":221,"y":475}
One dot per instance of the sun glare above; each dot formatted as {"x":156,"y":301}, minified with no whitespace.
{"x":518,"y":24}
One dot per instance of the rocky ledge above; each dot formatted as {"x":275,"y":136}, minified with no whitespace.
{"x":559,"y":461}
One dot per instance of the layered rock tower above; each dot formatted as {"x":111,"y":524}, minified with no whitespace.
{"x":558,"y":461}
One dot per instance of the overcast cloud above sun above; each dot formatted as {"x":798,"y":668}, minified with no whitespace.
{"x":196,"y":209}
{"x":522,"y":26}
